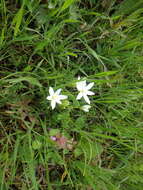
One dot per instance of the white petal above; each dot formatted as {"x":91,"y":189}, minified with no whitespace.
{"x":90,"y":85}
{"x":80,"y":85}
{"x":79,"y":96}
{"x":90,"y":93}
{"x":51,"y":91}
{"x":86,"y":98}
{"x":53,"y":104}
{"x":58,"y":101}
{"x":83,"y":83}
{"x":49,"y":98}
{"x":62,"y":97}
{"x":86,"y":108}
{"x":58,"y":91}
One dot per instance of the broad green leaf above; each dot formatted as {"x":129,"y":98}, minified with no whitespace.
{"x":54,"y":132}
{"x":80,"y":122}
{"x":36,"y":144}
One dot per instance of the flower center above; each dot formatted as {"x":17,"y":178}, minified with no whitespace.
{"x":83,"y":91}
{"x":54,"y":97}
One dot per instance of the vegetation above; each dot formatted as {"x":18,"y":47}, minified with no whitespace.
{"x":49,"y":44}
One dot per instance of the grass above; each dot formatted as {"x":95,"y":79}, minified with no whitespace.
{"x":51,"y":43}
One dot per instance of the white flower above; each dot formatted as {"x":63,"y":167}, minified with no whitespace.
{"x":55,"y":97}
{"x":83,"y":89}
{"x":86,"y":108}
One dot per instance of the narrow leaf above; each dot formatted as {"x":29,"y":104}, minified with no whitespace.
{"x":31,"y":80}
{"x":66,"y":4}
{"x":17,"y":21}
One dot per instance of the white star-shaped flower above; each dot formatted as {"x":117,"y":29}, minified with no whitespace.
{"x":83,"y":89}
{"x":55,"y":97}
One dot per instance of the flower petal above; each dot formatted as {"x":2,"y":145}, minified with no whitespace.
{"x":58,"y":91}
{"x":90,"y":85}
{"x":86,"y":108}
{"x":62,"y":97}
{"x":53,"y":138}
{"x":86,"y":98}
{"x":53,"y":104}
{"x":90,"y":93}
{"x":51,"y":91}
{"x":79,"y":96}
{"x":80,"y":85}
{"x":83,"y":83}
{"x":49,"y":98}
{"x":58,"y":101}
